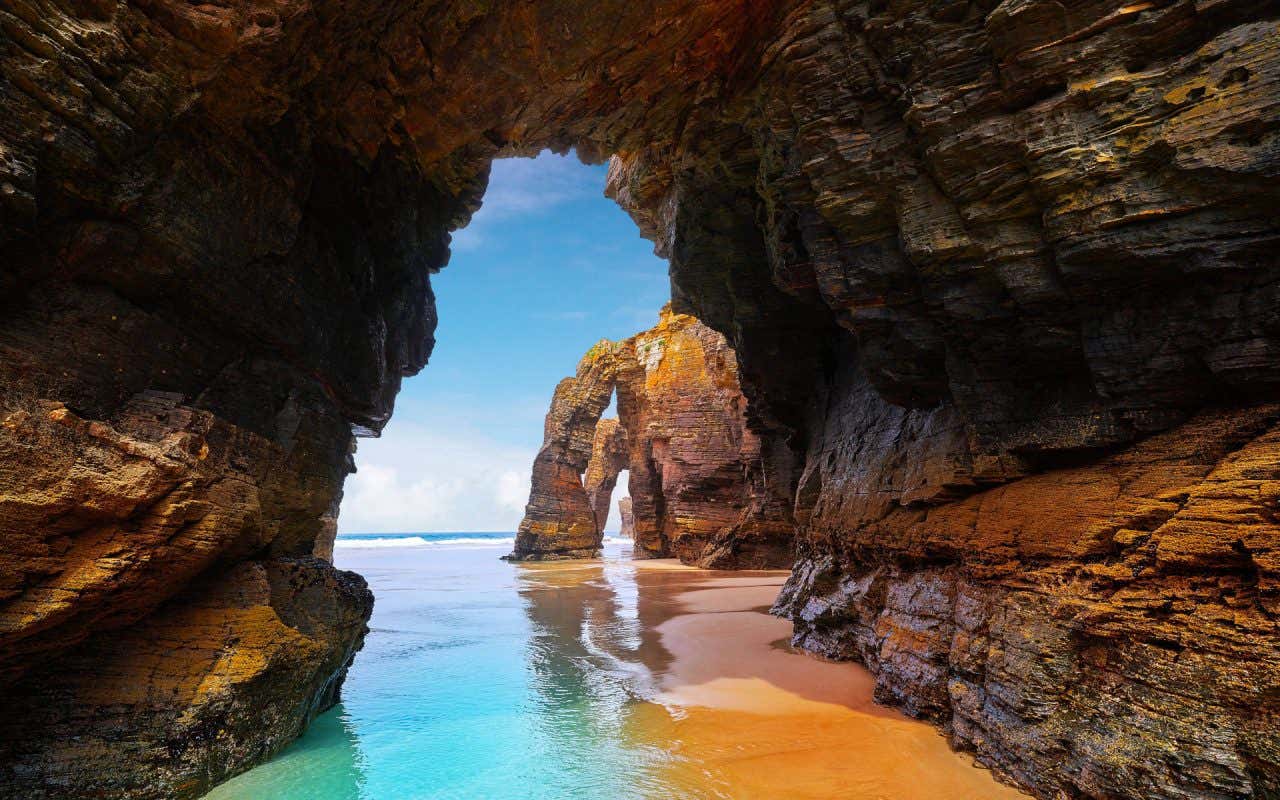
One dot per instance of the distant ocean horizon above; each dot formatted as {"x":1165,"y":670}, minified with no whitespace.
{"x":442,"y":539}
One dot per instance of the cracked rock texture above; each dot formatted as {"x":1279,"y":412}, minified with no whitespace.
{"x":609,"y":453}
{"x":697,"y":472}
{"x":1000,"y":279}
{"x":561,"y":520}
{"x":1106,"y":630}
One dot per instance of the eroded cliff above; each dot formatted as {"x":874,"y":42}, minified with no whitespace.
{"x":698,"y":474}
{"x":561,"y":520}
{"x":700,"y":487}
{"x":968,"y":255}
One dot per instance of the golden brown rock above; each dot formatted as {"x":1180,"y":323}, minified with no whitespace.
{"x":609,"y":454}
{"x":698,"y":484}
{"x":697,"y":475}
{"x":560,"y":520}
{"x":225,"y":675}
{"x":1061,"y":625}
{"x":952,"y":246}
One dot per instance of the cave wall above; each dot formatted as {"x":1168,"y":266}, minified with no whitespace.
{"x":1037,"y":492}
{"x":966,"y":253}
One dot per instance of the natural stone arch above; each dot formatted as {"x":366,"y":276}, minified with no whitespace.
{"x":698,"y":474}
{"x":609,"y":452}
{"x":951,"y":244}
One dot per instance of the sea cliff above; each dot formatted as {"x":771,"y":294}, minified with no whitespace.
{"x":1000,"y":280}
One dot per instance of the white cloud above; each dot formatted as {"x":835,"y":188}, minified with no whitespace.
{"x":416,"y":479}
{"x":563,"y":316}
{"x":527,"y":187}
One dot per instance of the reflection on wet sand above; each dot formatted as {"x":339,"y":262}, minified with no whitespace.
{"x":720,"y":709}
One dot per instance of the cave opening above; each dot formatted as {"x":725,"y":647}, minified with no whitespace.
{"x":999,"y":280}
{"x":546,"y":268}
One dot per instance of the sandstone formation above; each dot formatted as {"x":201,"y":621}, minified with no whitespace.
{"x":1106,"y":630}
{"x":699,"y":488}
{"x":698,"y":483}
{"x":192,"y":535}
{"x":976,"y":262}
{"x":609,"y":454}
{"x":561,"y":519}
{"x":223,"y":676}
{"x":627,"y":526}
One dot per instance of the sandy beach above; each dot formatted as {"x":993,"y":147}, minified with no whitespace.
{"x":742,"y":715}
{"x":616,"y":679}
{"x":747,"y":717}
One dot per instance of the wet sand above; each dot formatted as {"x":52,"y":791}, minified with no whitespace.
{"x":612,"y":679}
{"x":742,"y":716}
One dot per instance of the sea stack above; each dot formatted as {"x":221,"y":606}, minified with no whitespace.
{"x":560,"y":521}
{"x":698,"y":478}
{"x":627,"y":529}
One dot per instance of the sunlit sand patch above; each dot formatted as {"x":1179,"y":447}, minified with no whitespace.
{"x":740,"y":595}
{"x":735,"y":715}
{"x":745,"y":719}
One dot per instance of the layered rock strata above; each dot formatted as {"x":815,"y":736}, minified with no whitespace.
{"x":956,"y":248}
{"x":698,"y":480}
{"x":609,"y":457}
{"x":561,"y":520}
{"x":698,"y":474}
{"x":164,"y":621}
{"x":1101,"y":630}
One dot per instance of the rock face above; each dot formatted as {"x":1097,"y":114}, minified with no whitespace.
{"x":1090,"y":631}
{"x":968,"y":256}
{"x":609,"y":454}
{"x":627,"y":516}
{"x":164,"y":622}
{"x":561,"y":520}
{"x":698,"y":480}
{"x":226,"y":674}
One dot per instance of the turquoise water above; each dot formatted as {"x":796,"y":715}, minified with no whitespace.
{"x":477,"y":680}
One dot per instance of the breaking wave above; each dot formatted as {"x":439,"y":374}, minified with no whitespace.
{"x":439,"y":540}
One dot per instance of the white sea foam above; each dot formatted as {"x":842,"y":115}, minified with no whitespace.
{"x":460,"y":542}
{"x":418,"y":541}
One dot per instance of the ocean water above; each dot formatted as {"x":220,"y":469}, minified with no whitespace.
{"x":612,"y":679}
{"x":477,"y":680}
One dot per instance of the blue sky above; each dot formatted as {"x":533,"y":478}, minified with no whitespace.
{"x":547,"y":267}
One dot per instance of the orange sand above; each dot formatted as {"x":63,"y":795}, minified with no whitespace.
{"x":752,"y":720}
{"x":725,"y":708}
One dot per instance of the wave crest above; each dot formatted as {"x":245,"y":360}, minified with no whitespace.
{"x":458,"y":542}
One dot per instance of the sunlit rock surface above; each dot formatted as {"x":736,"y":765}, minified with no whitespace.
{"x":698,"y":481}
{"x":560,"y":520}
{"x":1090,"y":629}
{"x":956,"y":248}
{"x":609,"y":455}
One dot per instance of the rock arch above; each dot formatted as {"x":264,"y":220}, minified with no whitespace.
{"x":697,"y":470}
{"x":956,"y":247}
